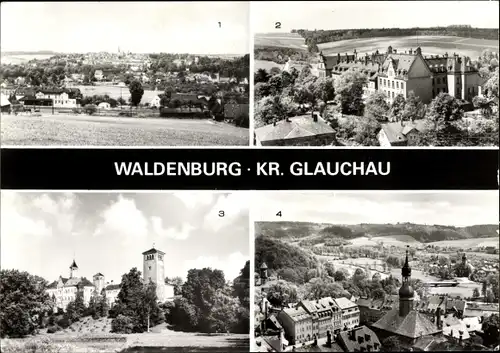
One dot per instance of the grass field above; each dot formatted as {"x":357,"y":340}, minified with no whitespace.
{"x":388,"y":240}
{"x":77,"y":130}
{"x":469,"y":243}
{"x":266,"y":65}
{"x":286,"y":40}
{"x":115,"y":92}
{"x":431,"y":45}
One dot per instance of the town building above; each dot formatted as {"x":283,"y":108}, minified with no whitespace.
{"x":99,"y":75}
{"x":371,"y":310}
{"x":402,"y":133}
{"x":359,"y":339}
{"x":350,"y":313}
{"x":154,"y":271}
{"x":56,"y":97}
{"x":302,"y":130}
{"x":325,"y":314}
{"x":404,"y":322}
{"x":297,"y":323}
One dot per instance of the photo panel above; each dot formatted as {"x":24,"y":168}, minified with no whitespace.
{"x":125,"y":272}
{"x":376,"y":271}
{"x":141,"y":74}
{"x":364,"y":73}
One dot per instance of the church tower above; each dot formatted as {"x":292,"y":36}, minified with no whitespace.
{"x":98,"y":282}
{"x":406,"y":291}
{"x":464,"y":260}
{"x":73,"y":270}
{"x":154,"y":270}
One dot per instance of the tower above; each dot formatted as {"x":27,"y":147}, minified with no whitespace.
{"x":98,"y":282}
{"x":263,"y":273}
{"x":154,"y":270}
{"x":406,"y":291}
{"x":464,"y":259}
{"x":73,"y":270}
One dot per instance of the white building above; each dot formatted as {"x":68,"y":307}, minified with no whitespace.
{"x":155,"y":102}
{"x":350,"y":312}
{"x":60,"y":98}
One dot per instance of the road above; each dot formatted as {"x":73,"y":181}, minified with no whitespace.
{"x":83,"y":130}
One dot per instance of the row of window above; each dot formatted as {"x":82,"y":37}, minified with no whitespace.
{"x":438,"y":80}
{"x":391,"y":84}
{"x":348,"y":316}
{"x":389,"y":94}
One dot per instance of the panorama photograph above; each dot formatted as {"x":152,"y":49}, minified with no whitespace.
{"x":376,"y":272}
{"x":376,"y":73}
{"x":125,"y":74}
{"x":128,"y":273}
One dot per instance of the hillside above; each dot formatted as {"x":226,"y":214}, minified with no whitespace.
{"x":279,"y":255}
{"x":300,"y":231}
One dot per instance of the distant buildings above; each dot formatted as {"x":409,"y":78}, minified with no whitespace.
{"x":304,"y":130}
{"x":402,"y":133}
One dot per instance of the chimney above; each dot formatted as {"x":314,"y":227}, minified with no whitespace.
{"x":315,"y":119}
{"x":411,"y":51}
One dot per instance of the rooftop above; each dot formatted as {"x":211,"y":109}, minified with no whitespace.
{"x":296,"y":127}
{"x":344,"y":303}
{"x":396,"y":132}
{"x":412,"y":325}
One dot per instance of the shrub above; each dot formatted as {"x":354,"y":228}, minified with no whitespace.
{"x":53,"y":329}
{"x":76,"y":111}
{"x":64,"y":322}
{"x":90,"y":109}
{"x":122,"y":324}
{"x":126,"y":113}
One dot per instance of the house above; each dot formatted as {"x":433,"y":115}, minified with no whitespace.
{"x":20,"y":80}
{"x":371,"y":310}
{"x":155,"y":102}
{"x":99,"y":76}
{"x":297,"y":65}
{"x":402,"y":133}
{"x":297,"y":324}
{"x":350,"y":313}
{"x":104,"y":105}
{"x":326,"y":315}
{"x":61,"y":98}
{"x":365,"y":66}
{"x":359,"y":339}
{"x":303,"y":130}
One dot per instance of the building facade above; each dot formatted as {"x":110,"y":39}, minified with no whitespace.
{"x":350,"y":313}
{"x":297,"y":324}
{"x":154,"y":271}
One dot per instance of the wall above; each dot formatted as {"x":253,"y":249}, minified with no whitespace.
{"x":288,"y":325}
{"x":422,"y":87}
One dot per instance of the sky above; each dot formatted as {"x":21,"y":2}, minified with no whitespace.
{"x":370,"y":14}
{"x":140,"y":27}
{"x":108,"y":232}
{"x":455,"y":209}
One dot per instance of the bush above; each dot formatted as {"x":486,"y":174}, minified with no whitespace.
{"x":64,"y":323}
{"x":76,"y":111}
{"x":126,"y":113}
{"x":90,"y":109}
{"x":53,"y":329}
{"x":122,"y":324}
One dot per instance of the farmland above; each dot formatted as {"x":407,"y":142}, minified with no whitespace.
{"x":115,"y":92}
{"x":76,"y":130}
{"x":469,"y":243}
{"x":431,"y":45}
{"x":285,"y":40}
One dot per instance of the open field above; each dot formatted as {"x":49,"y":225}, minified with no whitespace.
{"x":115,"y":92}
{"x":286,"y":40}
{"x":22,"y":58}
{"x":78,"y":130}
{"x":469,"y":243}
{"x":266,"y":65}
{"x":388,"y":240}
{"x":431,"y":45}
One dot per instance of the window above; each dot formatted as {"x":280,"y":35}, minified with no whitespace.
{"x":392,"y":84}
{"x":438,"y":80}
{"x":402,"y":85}
{"x":397,"y":84}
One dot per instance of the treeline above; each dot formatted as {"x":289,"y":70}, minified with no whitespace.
{"x":280,"y":55}
{"x":312,"y":38}
{"x":420,"y":232}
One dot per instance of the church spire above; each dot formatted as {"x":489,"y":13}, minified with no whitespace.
{"x":406,"y":292}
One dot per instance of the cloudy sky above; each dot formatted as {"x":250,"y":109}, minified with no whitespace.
{"x":40,"y":232}
{"x":457,"y":208}
{"x":370,"y":14}
{"x":179,"y":27}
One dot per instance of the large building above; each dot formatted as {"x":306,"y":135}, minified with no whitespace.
{"x":326,"y":316}
{"x":396,"y":73}
{"x":64,"y":290}
{"x":297,"y":324}
{"x":407,"y":324}
{"x":350,"y":313}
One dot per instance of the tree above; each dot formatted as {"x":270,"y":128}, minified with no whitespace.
{"x":397,"y":107}
{"x":176,"y":282}
{"x":443,"y":110}
{"x":90,"y":109}
{"x":475,"y":293}
{"x":282,"y":293}
{"x":269,"y":110}
{"x":349,"y":92}
{"x":413,"y":108}
{"x":262,"y":89}
{"x":23,"y":300}
{"x":241,"y":286}
{"x":261,"y":76}
{"x":376,"y":106}
{"x":329,"y":269}
{"x":341,"y":275}
{"x":136,"y":92}
{"x":491,"y":329}
{"x":223,"y":314}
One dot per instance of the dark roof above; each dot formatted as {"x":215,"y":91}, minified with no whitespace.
{"x":397,"y":133}
{"x":331,"y":60}
{"x":296,"y":127}
{"x":85,"y":282}
{"x":401,"y":62}
{"x":52,"y":285}
{"x":412,"y":325}
{"x":112,"y":286}
{"x":73,"y":265}
{"x":153,"y":251}
{"x":98,"y":274}
{"x":369,"y":68}
{"x":263,"y":266}
{"x":358,"y":339}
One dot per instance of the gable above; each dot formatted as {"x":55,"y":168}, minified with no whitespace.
{"x":419,"y":68}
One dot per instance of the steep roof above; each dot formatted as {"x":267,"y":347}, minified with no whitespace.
{"x":297,"y":314}
{"x":396,"y":132}
{"x":153,"y":251}
{"x":98,"y":274}
{"x":412,"y":325}
{"x":296,"y":127}
{"x":359,"y":339}
{"x":73,"y":265}
{"x":399,"y":61}
{"x":112,"y":286}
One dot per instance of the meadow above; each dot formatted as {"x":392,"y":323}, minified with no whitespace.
{"x":431,"y":45}
{"x":115,"y":92}
{"x":266,"y":65}
{"x":83,"y":130}
{"x":469,"y":243}
{"x":286,"y":40}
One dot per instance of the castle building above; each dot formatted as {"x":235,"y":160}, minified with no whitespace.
{"x":65,"y":290}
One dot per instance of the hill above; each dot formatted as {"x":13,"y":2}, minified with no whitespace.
{"x":286,"y":40}
{"x":279,"y":255}
{"x":300,"y":231}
